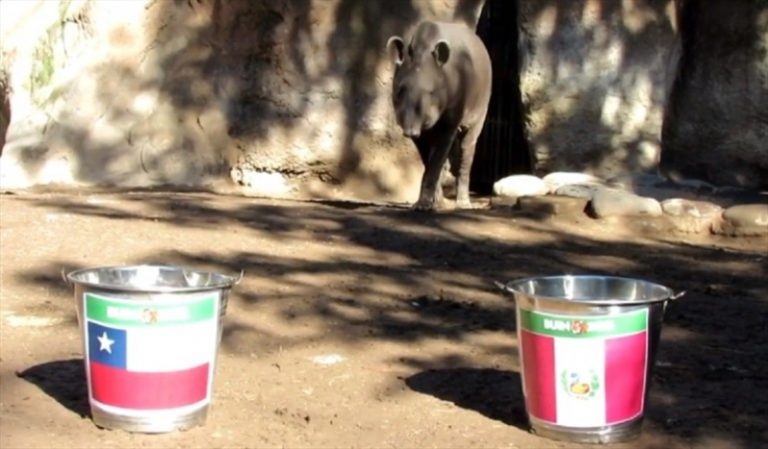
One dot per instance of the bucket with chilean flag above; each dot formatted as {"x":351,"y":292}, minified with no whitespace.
{"x":587,"y":345}
{"x":150,"y":339}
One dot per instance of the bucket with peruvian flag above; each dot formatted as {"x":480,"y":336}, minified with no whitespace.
{"x":150,"y":339}
{"x":587,"y":345}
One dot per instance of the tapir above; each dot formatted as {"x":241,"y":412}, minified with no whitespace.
{"x":440,"y":93}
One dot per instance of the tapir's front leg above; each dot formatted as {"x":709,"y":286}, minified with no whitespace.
{"x":436,"y":144}
{"x":467,"y":148}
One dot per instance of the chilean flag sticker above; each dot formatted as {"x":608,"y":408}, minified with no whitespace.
{"x":150,"y":356}
{"x":584,"y":371}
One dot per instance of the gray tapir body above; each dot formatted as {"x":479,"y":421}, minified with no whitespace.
{"x":440,"y":93}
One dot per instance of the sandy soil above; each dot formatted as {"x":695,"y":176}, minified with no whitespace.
{"x":424,"y":344}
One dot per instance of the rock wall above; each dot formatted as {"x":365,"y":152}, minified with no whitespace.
{"x":292,"y":97}
{"x":284,"y":97}
{"x":716,"y":127}
{"x":594,"y":79}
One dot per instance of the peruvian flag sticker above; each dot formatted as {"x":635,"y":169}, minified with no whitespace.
{"x":584,"y":371}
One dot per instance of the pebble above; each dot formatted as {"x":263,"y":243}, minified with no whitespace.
{"x":520,"y":185}
{"x":608,"y":202}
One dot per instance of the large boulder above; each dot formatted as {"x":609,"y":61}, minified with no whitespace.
{"x":716,"y":128}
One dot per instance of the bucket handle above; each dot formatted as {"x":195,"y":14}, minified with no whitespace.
{"x":239,"y":277}
{"x":677,"y":295}
{"x":502,"y":286}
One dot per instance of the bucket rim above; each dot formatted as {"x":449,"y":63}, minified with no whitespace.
{"x":223,"y":282}
{"x":666,"y":293}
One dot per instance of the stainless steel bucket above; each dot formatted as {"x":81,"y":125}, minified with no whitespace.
{"x":150,"y":339}
{"x":587,"y":346}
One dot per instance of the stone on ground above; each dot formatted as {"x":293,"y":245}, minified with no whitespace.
{"x":609,"y":202}
{"x":744,"y":219}
{"x":555,"y":180}
{"x":585,"y":191}
{"x":689,"y":216}
{"x":520,"y":185}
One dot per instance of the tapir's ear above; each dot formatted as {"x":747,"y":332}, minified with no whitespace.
{"x":441,"y":52}
{"x":395,"y":47}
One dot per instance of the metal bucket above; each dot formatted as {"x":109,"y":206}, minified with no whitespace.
{"x":150,"y":338}
{"x":587,"y":346}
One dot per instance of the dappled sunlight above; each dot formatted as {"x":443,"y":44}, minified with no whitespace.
{"x":637,"y":15}
{"x":586,"y":75}
{"x":290,"y":98}
{"x":390,"y":290}
{"x":547,"y":21}
{"x":591,"y":13}
{"x":296,"y":89}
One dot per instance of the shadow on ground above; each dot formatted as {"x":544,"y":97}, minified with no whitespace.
{"x":709,"y":380}
{"x":64,"y":381}
{"x":494,"y":393}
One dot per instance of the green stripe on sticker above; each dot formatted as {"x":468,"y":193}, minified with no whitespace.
{"x":584,"y":327}
{"x":138,"y":313}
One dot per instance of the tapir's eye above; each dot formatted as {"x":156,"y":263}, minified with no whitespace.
{"x":410,"y":51}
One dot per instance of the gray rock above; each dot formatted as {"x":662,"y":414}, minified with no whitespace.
{"x":691,"y":217}
{"x":556,"y":180}
{"x":608,"y":202}
{"x":632,"y":181}
{"x":744,"y":220}
{"x":680,"y":206}
{"x":645,"y":184}
{"x":747,"y":215}
{"x":520,"y":185}
{"x":586,"y":191}
{"x":549,"y":205}
{"x":695,"y":184}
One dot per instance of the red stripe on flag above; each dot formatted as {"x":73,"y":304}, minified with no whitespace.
{"x":539,"y":375}
{"x":625,"y":364}
{"x":147,"y":390}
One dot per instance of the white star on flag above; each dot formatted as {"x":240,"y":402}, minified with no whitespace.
{"x":105,"y":342}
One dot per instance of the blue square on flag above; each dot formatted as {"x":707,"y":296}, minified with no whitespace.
{"x":106,"y":345}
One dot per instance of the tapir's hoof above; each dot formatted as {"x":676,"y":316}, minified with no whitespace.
{"x":464,"y":204}
{"x":424,"y":206}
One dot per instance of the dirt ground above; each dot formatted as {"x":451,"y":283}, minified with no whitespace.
{"x":403,"y":303}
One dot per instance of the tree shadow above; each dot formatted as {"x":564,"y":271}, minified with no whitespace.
{"x":439,"y":269}
{"x":580,"y":94}
{"x":64,"y":381}
{"x":718,"y":103}
{"x":222,"y":79}
{"x":496,"y":394}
